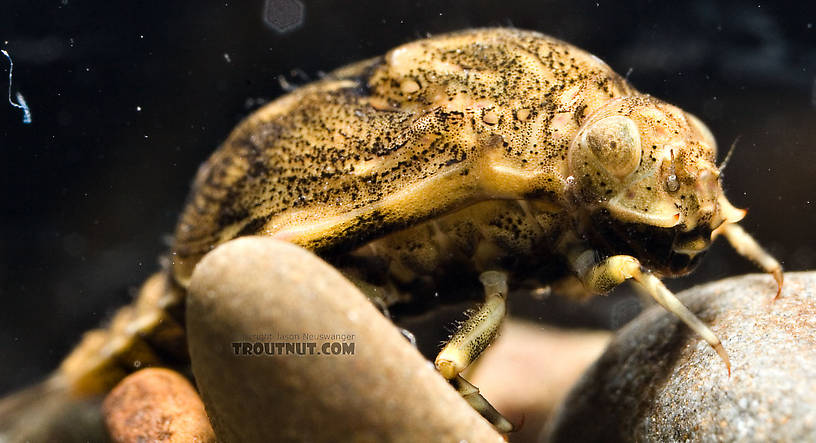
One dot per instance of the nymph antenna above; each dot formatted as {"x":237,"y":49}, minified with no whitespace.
{"x":724,"y":163}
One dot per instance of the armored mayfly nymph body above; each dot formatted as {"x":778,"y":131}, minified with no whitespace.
{"x":497,"y":156}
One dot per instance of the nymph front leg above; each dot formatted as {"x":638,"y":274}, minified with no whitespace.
{"x":746,"y":246}
{"x":601,"y":276}
{"x":468,"y":342}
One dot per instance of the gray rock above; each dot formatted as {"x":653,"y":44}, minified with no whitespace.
{"x":658,"y":381}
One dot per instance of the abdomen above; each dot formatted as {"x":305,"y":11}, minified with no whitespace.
{"x":442,"y":257}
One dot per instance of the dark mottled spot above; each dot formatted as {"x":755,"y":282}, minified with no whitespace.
{"x":253,"y":227}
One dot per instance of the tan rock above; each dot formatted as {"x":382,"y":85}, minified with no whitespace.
{"x":261,"y":290}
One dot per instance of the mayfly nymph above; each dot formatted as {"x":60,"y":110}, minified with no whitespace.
{"x":497,"y":156}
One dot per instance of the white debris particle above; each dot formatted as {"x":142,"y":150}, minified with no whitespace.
{"x":227,"y":58}
{"x":138,"y":109}
{"x":285,"y":85}
{"x":409,"y":335}
{"x":21,"y":103}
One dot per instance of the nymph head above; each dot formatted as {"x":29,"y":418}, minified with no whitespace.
{"x":645,"y":177}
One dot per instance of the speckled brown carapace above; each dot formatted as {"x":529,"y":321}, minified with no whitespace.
{"x":432,"y":127}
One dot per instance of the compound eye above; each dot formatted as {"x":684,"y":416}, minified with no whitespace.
{"x":615,"y":141}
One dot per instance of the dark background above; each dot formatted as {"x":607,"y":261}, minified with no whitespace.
{"x":129,"y":97}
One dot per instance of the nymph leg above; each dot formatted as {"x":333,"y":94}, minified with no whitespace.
{"x":601,"y":276}
{"x":478,"y":331}
{"x":747,"y":247}
{"x":471,"y":394}
{"x":470,"y":339}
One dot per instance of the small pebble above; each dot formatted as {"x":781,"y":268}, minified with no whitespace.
{"x":156,"y":404}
